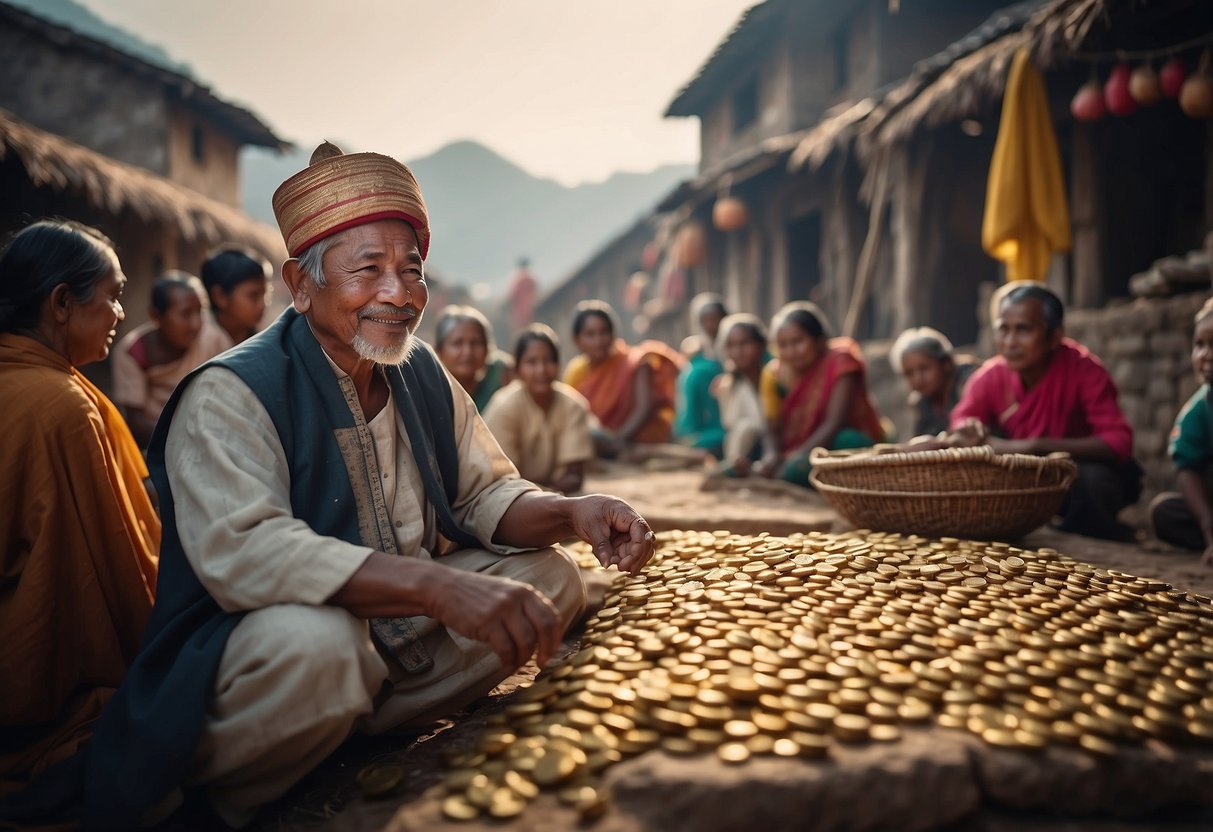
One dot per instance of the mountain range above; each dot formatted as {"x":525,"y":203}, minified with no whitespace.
{"x":487,"y":212}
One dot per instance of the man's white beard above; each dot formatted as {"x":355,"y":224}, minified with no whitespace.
{"x":386,"y":355}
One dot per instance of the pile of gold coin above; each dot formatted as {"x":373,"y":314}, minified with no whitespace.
{"x":740,"y":646}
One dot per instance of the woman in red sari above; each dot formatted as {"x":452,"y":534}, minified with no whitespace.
{"x":814,"y":394}
{"x":630,"y":389}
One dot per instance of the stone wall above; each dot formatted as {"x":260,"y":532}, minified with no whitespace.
{"x":1147,"y":347}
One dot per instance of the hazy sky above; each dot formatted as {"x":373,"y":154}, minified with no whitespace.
{"x":571,"y":89}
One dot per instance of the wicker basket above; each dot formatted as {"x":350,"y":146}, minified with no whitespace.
{"x":972,"y":493}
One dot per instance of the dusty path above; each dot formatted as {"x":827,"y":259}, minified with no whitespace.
{"x":930,"y":760}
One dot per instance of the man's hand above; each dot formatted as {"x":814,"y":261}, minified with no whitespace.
{"x":616,"y":532}
{"x":1207,"y":557}
{"x":515,"y":619}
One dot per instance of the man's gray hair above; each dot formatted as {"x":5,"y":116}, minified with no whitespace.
{"x":311,"y":260}
{"x":1050,"y":305}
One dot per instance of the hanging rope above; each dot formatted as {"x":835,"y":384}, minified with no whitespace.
{"x":1124,"y":55}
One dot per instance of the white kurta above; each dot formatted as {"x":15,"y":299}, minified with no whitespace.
{"x":297,"y":676}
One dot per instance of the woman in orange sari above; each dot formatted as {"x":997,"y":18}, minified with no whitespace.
{"x":79,"y":535}
{"x":630,"y":389}
{"x":814,"y":394}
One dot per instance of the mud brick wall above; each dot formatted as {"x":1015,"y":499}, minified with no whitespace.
{"x":1146,"y":345}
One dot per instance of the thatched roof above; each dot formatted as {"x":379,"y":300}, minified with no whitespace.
{"x":52,"y":161}
{"x":959,"y":82}
{"x":241,"y":123}
{"x":749,"y":34}
{"x":844,"y":123}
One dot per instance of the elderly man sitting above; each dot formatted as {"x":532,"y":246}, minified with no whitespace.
{"x":1045,"y":393}
{"x":346,"y":548}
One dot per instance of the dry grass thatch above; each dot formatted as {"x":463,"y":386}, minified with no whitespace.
{"x":52,"y":161}
{"x":1052,"y":33}
{"x":955,"y":83}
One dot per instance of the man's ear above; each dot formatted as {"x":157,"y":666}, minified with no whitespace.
{"x":298,"y":284}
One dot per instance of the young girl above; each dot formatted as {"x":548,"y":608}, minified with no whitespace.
{"x":814,"y":394}
{"x":542,"y":424}
{"x":936,"y":376}
{"x":1185,"y":518}
{"x":743,"y":343}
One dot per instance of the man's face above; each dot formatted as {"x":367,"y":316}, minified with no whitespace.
{"x":374,"y":293}
{"x":709,"y":320}
{"x":1022,"y":338}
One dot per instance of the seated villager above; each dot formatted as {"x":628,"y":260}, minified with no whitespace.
{"x":696,"y":411}
{"x":1045,"y":393}
{"x":924,"y":356}
{"x":743,"y":343}
{"x":707,"y":311}
{"x":463,"y":340}
{"x":237,"y":283}
{"x":346,"y":548}
{"x":80,"y":537}
{"x":630,"y":389}
{"x":542,"y":424}
{"x":1185,"y":518}
{"x":153,"y":358}
{"x":814,"y":394}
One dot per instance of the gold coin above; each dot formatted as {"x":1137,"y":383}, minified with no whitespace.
{"x":379,"y":780}
{"x":733,"y":752}
{"x":457,"y":807}
{"x":852,"y":727}
{"x":554,"y":767}
{"x":506,"y":804}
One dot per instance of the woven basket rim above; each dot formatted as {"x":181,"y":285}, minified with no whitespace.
{"x":1010,"y":492}
{"x":869,"y":457}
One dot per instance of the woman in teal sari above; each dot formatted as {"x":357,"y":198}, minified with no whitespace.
{"x":464,"y":343}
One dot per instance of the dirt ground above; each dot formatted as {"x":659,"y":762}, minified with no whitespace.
{"x":330,"y":799}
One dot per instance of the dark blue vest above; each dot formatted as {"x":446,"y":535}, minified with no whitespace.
{"x":146,"y":737}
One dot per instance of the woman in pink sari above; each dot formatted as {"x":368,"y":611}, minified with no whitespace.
{"x":814,"y":394}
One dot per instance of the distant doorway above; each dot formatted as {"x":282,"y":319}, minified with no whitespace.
{"x":804,"y":258}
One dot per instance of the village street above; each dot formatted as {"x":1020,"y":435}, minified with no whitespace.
{"x":925,"y":780}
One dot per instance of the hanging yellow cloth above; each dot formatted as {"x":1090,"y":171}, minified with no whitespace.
{"x":1026,"y":217}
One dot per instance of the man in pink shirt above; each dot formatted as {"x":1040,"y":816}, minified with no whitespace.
{"x":1045,"y":393}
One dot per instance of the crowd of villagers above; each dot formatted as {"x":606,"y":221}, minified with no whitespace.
{"x":753,"y":398}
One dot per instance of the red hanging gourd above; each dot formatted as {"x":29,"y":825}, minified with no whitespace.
{"x":1116,"y":92}
{"x":730,"y":213}
{"x":1088,"y":102}
{"x":1172,"y":77}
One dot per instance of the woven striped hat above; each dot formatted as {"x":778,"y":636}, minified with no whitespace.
{"x":337,"y":191}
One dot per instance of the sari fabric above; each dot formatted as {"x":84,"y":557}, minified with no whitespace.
{"x":609,"y":386}
{"x":802,"y":404}
{"x":79,"y":561}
